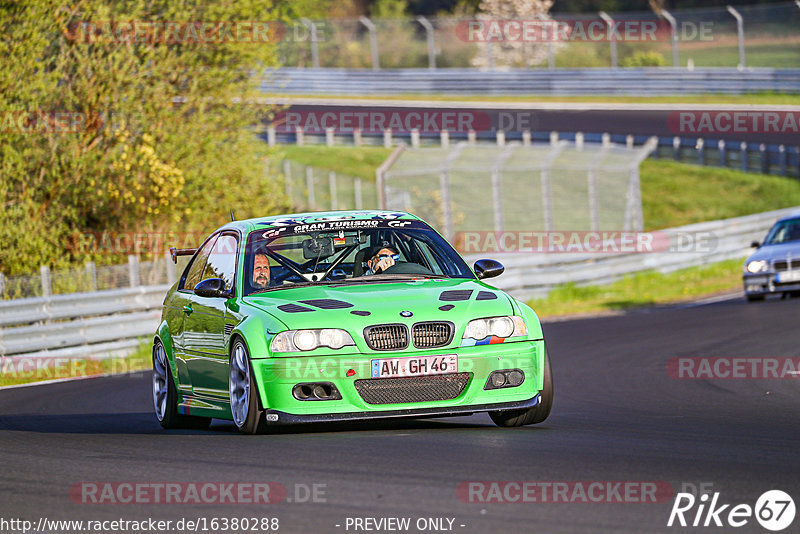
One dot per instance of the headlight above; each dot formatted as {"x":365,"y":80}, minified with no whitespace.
{"x":303,"y":340}
{"x":757,"y":266}
{"x":495,"y":326}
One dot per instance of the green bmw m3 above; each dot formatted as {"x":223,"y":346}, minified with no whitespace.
{"x":339,"y":316}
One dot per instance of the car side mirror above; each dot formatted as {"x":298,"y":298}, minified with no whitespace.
{"x":488,"y":269}
{"x":211,"y":288}
{"x":755,"y":244}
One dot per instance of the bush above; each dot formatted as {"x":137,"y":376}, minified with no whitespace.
{"x":644,"y":59}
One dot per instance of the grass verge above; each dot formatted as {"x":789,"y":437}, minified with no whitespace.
{"x":20,"y":370}
{"x":641,"y":290}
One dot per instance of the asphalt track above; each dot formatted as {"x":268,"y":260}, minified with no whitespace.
{"x":618,"y":416}
{"x":663,"y":120}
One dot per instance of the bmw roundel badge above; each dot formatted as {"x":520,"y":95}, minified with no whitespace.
{"x":406,"y":313}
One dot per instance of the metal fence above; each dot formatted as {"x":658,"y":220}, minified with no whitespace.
{"x":746,"y":36}
{"x":91,"y":278}
{"x":515,"y":186}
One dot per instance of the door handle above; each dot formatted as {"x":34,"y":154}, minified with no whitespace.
{"x":187,"y":309}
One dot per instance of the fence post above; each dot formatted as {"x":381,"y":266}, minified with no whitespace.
{"x":526,"y":138}
{"x":673,"y":24}
{"x":701,"y":151}
{"x":271,"y":135}
{"x":430,"y":39}
{"x":91,"y":270}
{"x":497,"y":187}
{"x":782,"y":159}
{"x":314,"y":46}
{"x":373,"y":41}
{"x":444,"y":138}
{"x":501,"y":138}
{"x":472,"y":137}
{"x":172,"y":276}
{"x":739,"y":34}
{"x":357,"y":136}
{"x":743,"y":148}
{"x":133,"y":270}
{"x":298,"y":134}
{"x":357,"y":192}
{"x":44,"y":272}
{"x":414,"y":138}
{"x":723,"y":154}
{"x":613,"y":40}
{"x":312,"y":203}
{"x":579,"y":140}
{"x":676,"y":148}
{"x":606,"y":139}
{"x":553,"y":138}
{"x":287,"y":177}
{"x":330,"y":140}
{"x":629,"y":141}
{"x":334,"y":192}
{"x":387,"y":138}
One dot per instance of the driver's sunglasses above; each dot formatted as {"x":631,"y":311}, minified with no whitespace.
{"x":395,"y":257}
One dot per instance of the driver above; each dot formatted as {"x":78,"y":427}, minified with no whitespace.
{"x":382,"y":260}
{"x":260,"y":271}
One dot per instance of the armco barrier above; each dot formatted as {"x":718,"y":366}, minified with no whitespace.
{"x":80,"y":324}
{"x":629,"y":81}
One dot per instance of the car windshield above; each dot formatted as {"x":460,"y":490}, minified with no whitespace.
{"x":783,"y":232}
{"x":347,"y":251}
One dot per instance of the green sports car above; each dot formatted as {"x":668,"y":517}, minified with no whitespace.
{"x":339,"y":316}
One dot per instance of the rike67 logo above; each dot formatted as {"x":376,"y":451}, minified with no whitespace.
{"x":774,"y":510}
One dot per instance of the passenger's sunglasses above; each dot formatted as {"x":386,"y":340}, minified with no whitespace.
{"x":395,"y":257}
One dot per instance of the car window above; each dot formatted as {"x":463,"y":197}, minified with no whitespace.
{"x":195,"y":273}
{"x":221,"y":262}
{"x":784,"y":232}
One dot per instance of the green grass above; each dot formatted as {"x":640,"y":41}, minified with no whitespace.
{"x":674,"y":194}
{"x":11,"y":374}
{"x":359,"y":162}
{"x":753,"y":99}
{"x":642,"y":290}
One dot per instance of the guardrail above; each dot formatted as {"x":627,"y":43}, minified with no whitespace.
{"x":105,"y":323}
{"x":533,"y":275}
{"x":80,"y":324}
{"x":630,"y":81}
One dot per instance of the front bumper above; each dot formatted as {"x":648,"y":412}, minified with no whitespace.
{"x":276,"y":377}
{"x":767,"y":283}
{"x":276,"y":417}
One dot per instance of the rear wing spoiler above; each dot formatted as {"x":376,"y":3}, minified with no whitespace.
{"x":175,"y":252}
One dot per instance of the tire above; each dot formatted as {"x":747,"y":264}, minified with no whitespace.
{"x":165,"y":396}
{"x":243,"y":392}
{"x":530,"y":416}
{"x":755,"y":298}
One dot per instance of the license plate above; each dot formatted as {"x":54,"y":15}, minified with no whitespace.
{"x":788,"y":276}
{"x":414,"y":366}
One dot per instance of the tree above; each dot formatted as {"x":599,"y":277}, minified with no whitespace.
{"x":110,"y":122}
